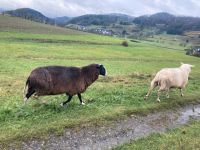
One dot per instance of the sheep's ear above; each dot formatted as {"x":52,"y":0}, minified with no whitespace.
{"x":99,"y":66}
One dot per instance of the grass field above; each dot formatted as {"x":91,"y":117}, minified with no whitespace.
{"x":130,"y":70}
{"x":173,"y":42}
{"x":14,"y":24}
{"x":184,"y":138}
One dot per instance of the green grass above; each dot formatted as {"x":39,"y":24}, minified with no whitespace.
{"x":14,"y":24}
{"x":130,"y":71}
{"x":183,"y":138}
{"x":173,"y":42}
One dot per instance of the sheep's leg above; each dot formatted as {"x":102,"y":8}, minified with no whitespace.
{"x":159,"y":91}
{"x":167,"y":93}
{"x":164,"y":86}
{"x":65,"y":102}
{"x":158,"y":99}
{"x":79,"y":96}
{"x":181,"y":91}
{"x":35,"y":96}
{"x":152,"y":86}
{"x":30,"y":92}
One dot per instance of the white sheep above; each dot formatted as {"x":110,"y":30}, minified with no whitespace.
{"x":171,"y":78}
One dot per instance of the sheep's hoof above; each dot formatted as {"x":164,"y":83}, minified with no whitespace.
{"x":146,"y":97}
{"x":25,"y":100}
{"x":182,"y":95}
{"x":82,"y":103}
{"x":158,"y":100}
{"x":61,"y":104}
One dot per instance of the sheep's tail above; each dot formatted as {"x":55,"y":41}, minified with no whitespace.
{"x":26,"y":90}
{"x":153,"y":84}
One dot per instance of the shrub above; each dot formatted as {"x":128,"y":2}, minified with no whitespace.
{"x":125,"y":43}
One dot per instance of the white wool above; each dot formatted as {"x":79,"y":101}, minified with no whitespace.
{"x":171,"y":78}
{"x":176,"y":77}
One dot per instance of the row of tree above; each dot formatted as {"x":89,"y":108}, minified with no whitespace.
{"x":169,"y":23}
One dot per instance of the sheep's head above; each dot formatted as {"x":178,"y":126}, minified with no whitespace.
{"x":186,"y":67}
{"x":102,"y":70}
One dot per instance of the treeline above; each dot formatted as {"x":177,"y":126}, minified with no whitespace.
{"x":169,"y":23}
{"x":30,"y":14}
{"x":162,"y":22}
{"x":103,"y":20}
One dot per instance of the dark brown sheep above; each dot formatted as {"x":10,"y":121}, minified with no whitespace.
{"x":53,"y":80}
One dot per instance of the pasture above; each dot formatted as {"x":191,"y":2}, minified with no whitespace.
{"x":121,"y":93}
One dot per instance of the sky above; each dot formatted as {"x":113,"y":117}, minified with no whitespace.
{"x":72,"y":8}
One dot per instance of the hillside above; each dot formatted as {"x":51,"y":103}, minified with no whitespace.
{"x":169,"y":23}
{"x":61,"y":21}
{"x":16,"y":24}
{"x":117,"y":24}
{"x":105,"y":20}
{"x":90,"y":19}
{"x":30,"y":14}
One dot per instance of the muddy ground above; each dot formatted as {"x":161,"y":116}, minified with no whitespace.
{"x":106,"y":137}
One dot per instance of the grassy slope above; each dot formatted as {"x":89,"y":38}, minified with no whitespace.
{"x":14,"y":24}
{"x":184,"y":138}
{"x":129,"y":69}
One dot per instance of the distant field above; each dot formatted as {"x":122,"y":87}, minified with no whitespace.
{"x":130,"y":70}
{"x":192,"y":33}
{"x":174,"y":42}
{"x":193,"y":37}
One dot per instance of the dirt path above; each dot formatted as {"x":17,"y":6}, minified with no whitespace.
{"x":120,"y":132}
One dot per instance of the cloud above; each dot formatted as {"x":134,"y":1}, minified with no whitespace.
{"x":55,"y":8}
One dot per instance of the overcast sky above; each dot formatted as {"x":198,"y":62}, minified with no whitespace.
{"x":56,"y":8}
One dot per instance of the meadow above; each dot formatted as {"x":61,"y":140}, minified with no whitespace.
{"x":120,"y":94}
